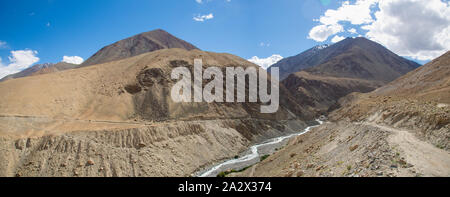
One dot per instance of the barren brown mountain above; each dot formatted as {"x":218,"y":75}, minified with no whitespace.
{"x":330,"y":73}
{"x":118,"y":119}
{"x":136,"y":45}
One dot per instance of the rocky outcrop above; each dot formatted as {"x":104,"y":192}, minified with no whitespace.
{"x":171,"y":149}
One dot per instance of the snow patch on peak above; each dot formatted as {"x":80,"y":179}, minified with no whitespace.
{"x":265,"y":63}
{"x":320,"y":47}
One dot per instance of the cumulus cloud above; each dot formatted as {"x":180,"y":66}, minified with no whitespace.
{"x":73,"y":59}
{"x":418,"y":29}
{"x":321,"y":33}
{"x":265,"y":62}
{"x":356,"y":14}
{"x":337,"y":39}
{"x":18,"y":60}
{"x":201,"y":18}
{"x":199,"y":1}
{"x":413,"y":28}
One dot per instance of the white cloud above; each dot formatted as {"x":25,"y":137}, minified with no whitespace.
{"x":73,"y":59}
{"x":418,"y":29}
{"x":3,"y":44}
{"x":262,"y":44}
{"x":199,"y":1}
{"x":201,"y":18}
{"x":265,"y":62}
{"x":18,"y":60}
{"x":356,"y":14}
{"x":337,"y":39}
{"x":321,"y":33}
{"x":352,"y":31}
{"x":414,"y":28}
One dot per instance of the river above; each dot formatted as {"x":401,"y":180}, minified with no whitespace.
{"x":253,"y":154}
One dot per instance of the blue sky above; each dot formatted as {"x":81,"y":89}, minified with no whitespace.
{"x":56,"y":28}
{"x":82,"y":27}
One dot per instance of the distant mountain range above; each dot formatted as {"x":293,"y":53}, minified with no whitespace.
{"x":41,"y":69}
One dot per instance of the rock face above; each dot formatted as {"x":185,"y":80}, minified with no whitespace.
{"x":136,"y":45}
{"x":41,"y":69}
{"x":120,"y":117}
{"x":322,"y":75}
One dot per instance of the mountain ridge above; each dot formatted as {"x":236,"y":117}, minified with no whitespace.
{"x":138,"y":44}
{"x":329,"y":73}
{"x":39,"y":69}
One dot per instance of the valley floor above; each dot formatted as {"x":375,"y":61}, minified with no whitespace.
{"x":363,"y":149}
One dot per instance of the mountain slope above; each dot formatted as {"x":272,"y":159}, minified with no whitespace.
{"x":401,"y":129}
{"x":301,"y":61}
{"x":41,"y":69}
{"x":136,"y":45}
{"x":322,"y":92}
{"x":418,"y":101}
{"x":351,"y":58}
{"x":118,"y":119}
{"x":363,"y":59}
{"x":352,"y":65}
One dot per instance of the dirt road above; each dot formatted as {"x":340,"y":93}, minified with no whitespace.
{"x":428,"y":159}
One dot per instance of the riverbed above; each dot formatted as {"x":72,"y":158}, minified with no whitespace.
{"x":253,"y":154}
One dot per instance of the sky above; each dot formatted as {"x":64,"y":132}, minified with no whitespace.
{"x":263,"y":31}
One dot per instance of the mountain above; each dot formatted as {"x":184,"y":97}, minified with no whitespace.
{"x":327,"y":73}
{"x":136,"y":45}
{"x":399,"y":130}
{"x":118,"y":119}
{"x":363,"y":59}
{"x":301,"y":61}
{"x":351,"y":58}
{"x":40,"y":69}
